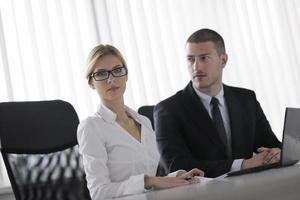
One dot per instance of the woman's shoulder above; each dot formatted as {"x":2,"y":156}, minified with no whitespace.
{"x":90,"y":121}
{"x":91,"y":126}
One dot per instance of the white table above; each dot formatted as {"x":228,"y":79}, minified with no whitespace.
{"x":275,"y":184}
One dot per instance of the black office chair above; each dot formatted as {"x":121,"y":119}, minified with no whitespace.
{"x":40,"y":151}
{"x":148,"y":112}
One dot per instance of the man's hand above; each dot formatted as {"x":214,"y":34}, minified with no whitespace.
{"x":264,"y":156}
{"x":273,"y":154}
{"x":256,"y":160}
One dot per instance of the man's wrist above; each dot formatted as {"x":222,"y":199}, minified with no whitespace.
{"x":244,"y":164}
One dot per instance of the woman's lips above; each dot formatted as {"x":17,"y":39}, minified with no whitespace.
{"x":114,"y":88}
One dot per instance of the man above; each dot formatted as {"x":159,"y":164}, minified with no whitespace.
{"x":208,"y":124}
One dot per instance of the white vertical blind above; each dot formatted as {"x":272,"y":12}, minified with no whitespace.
{"x":44,"y":45}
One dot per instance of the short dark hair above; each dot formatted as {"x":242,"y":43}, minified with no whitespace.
{"x":205,"y":35}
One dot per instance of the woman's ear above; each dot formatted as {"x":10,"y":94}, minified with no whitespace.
{"x":91,"y":84}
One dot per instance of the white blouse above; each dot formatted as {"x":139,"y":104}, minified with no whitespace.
{"x":115,"y":162}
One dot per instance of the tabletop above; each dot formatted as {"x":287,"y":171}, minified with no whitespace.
{"x":275,"y":184}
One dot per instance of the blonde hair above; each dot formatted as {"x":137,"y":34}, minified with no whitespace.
{"x":99,"y":52}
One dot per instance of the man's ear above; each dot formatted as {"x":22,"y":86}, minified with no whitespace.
{"x":224,"y":58}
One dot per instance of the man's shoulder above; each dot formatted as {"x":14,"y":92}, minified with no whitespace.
{"x":171,"y":101}
{"x":179,"y":97}
{"x":238,"y":90}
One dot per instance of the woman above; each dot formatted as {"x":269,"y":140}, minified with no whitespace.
{"x":118,"y":145}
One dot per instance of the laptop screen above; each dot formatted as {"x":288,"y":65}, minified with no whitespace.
{"x":291,"y":137}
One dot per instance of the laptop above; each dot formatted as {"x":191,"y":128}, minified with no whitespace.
{"x":290,"y":151}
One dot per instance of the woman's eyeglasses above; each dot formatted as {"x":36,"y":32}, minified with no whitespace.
{"x":103,"y":74}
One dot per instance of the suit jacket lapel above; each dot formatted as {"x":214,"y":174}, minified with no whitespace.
{"x":198,"y":113}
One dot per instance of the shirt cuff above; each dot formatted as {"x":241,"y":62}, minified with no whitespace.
{"x":134,"y":185}
{"x":236,"y":165}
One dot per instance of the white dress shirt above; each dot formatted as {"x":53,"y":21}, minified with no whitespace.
{"x":115,"y":162}
{"x":205,"y":99}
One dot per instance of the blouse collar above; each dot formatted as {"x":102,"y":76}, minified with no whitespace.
{"x":109,"y":116}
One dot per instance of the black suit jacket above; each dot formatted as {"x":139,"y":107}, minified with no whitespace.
{"x":187,"y":138}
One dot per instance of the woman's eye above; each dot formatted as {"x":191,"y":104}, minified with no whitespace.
{"x":101,"y":73}
{"x":117,"y":70}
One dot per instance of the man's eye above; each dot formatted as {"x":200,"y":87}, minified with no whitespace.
{"x":190,"y":59}
{"x":203,"y":58}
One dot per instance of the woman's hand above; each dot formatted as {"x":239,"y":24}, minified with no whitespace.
{"x":183,"y":178}
{"x":167,"y":182}
{"x":191,"y":174}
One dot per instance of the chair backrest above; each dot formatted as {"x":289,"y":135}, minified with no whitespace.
{"x":148,"y":112}
{"x":40,"y":151}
